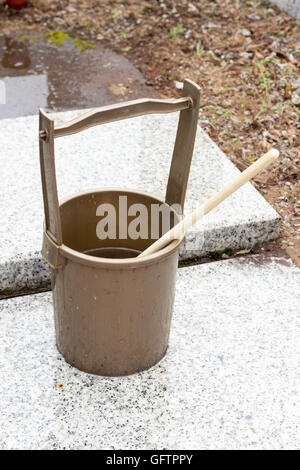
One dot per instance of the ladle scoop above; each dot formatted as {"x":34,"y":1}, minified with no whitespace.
{"x":179,"y":229}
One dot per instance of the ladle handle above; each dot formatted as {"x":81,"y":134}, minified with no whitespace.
{"x":179,"y":229}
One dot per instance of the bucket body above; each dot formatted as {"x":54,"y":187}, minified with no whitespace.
{"x":112,"y":316}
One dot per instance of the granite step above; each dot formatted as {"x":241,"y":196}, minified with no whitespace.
{"x":134,"y":154}
{"x":228,"y":381}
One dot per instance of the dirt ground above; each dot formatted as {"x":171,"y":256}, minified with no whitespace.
{"x":244,"y":54}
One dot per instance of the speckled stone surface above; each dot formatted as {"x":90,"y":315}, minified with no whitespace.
{"x":135,"y":154}
{"x":230,"y":379}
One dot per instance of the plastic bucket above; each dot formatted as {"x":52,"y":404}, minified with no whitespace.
{"x":113,"y":314}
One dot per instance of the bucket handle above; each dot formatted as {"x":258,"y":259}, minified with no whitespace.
{"x":188,"y":106}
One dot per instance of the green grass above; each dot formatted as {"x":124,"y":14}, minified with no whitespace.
{"x":59,"y":38}
{"x":176,"y":30}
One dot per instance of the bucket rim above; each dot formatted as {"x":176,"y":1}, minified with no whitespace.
{"x":153,"y":258}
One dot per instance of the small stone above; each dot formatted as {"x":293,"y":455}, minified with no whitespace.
{"x":192,"y":8}
{"x":254,"y":17}
{"x":246,"y":55}
{"x":178,"y":85}
{"x":100,"y":37}
{"x":224,"y":256}
{"x":296,"y":97}
{"x":245,"y":32}
{"x":59,"y":20}
{"x":209,"y":24}
{"x":295,"y":84}
{"x":291,"y":244}
{"x":71,"y":9}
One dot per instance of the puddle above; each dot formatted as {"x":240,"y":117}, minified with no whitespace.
{"x":37,"y":73}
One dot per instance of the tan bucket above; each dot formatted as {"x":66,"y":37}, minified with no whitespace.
{"x":113,"y":314}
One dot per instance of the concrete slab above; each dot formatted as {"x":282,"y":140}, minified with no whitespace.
{"x":134,"y":154}
{"x":229,"y":379}
{"x":290,"y":6}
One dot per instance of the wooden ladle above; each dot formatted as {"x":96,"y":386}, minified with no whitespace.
{"x":179,"y":229}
